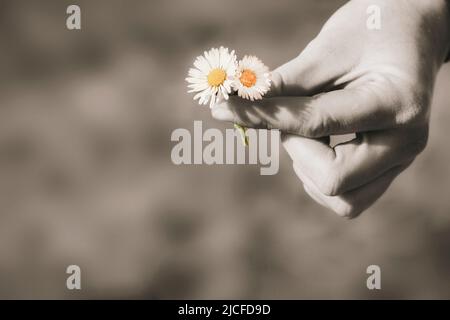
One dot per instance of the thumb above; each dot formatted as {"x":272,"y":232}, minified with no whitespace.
{"x":314,"y":71}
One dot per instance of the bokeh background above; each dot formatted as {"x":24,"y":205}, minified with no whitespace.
{"x":86,"y":176}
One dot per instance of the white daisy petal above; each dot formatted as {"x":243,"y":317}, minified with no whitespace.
{"x":213,"y":101}
{"x":198,"y":88}
{"x":195,"y":80}
{"x":195,"y":73}
{"x":224,"y":93}
{"x":202,"y":64}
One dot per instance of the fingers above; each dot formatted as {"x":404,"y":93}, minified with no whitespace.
{"x":350,"y":165}
{"x":354,"y":202}
{"x":343,"y":111}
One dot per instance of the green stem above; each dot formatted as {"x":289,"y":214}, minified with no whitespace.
{"x":243,"y":131}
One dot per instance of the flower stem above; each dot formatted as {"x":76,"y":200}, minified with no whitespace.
{"x":243,"y":131}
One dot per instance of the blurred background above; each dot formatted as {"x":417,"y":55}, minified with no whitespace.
{"x":86,"y":176}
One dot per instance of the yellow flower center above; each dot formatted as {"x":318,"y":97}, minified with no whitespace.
{"x":248,"y":78}
{"x":216,"y":77}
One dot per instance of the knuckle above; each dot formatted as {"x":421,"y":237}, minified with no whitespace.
{"x":419,"y":142}
{"x":410,"y":115}
{"x":415,"y":109}
{"x":313,"y":125}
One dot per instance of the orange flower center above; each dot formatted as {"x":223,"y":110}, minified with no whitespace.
{"x":216,"y":77}
{"x":248,"y":78}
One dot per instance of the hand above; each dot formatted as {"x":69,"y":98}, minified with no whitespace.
{"x":349,"y":79}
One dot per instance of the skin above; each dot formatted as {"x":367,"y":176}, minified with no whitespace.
{"x":349,"y":79}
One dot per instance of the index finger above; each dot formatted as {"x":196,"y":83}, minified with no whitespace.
{"x":336,"y":112}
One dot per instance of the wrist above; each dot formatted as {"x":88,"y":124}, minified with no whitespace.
{"x":428,"y":20}
{"x":447,"y":3}
{"x":437,"y":24}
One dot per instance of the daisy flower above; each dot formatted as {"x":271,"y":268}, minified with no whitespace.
{"x":213,"y":75}
{"x":252,"y":79}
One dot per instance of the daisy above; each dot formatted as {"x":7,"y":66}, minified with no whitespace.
{"x":213,"y":75}
{"x":252,"y":80}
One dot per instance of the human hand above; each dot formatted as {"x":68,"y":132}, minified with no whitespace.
{"x":349,"y":79}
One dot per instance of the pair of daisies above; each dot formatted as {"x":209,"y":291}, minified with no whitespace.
{"x":217,"y":74}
